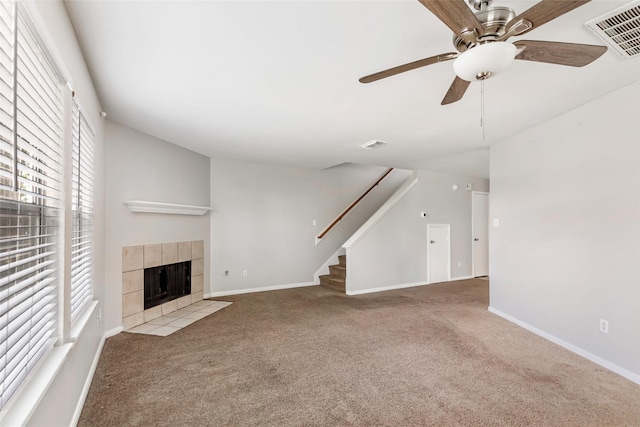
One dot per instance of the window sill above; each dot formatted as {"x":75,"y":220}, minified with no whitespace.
{"x":26,"y":400}
{"x":21,"y":407}
{"x":78,"y":326}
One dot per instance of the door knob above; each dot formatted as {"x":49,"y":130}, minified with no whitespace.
{"x":475,"y":239}
{"x":433,"y":241}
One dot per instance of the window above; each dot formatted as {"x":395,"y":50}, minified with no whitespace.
{"x":82,"y":214}
{"x":33,"y":96}
{"x":7,"y":41}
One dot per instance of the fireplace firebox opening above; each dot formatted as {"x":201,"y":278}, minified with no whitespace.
{"x":166,"y":283}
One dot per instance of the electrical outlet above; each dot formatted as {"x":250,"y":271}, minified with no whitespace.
{"x":245,"y":273}
{"x":604,"y":326}
{"x":459,"y":264}
{"x":99,"y":317}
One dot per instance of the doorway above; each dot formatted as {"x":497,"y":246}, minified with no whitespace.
{"x":480,"y":233}
{"x":439,"y":253}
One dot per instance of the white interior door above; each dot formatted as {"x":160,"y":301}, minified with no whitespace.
{"x":439,"y":253}
{"x":480,"y":231}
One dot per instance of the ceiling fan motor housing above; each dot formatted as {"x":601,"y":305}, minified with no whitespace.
{"x":493,"y":20}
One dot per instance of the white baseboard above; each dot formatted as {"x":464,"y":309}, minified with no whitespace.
{"x":265,"y":289}
{"x":112,"y":332}
{"x":87,"y":383}
{"x":461,"y":278}
{"x":402,"y":286}
{"x":575,"y":349}
{"x":386,"y":288}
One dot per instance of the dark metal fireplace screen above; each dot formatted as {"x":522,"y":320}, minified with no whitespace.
{"x":165,"y":283}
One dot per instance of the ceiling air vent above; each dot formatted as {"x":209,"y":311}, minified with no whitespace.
{"x":620,"y":28}
{"x":373,"y":144}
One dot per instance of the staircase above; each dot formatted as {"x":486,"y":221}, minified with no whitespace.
{"x":336,"y":279}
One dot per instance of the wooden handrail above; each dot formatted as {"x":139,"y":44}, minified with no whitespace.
{"x":352,"y":205}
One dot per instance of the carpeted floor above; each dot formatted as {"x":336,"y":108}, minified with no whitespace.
{"x":431,"y":355}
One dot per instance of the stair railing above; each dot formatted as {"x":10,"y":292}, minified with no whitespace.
{"x":345,"y":212}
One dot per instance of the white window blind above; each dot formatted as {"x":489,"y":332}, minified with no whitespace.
{"x":32,"y":123}
{"x":7,"y":43}
{"x":82,"y":214}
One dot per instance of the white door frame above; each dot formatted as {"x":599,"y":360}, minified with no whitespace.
{"x":448,"y":227}
{"x":473,"y":246}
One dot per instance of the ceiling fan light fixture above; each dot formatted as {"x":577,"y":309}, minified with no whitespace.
{"x":484,"y":60}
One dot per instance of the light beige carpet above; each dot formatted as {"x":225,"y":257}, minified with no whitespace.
{"x":431,"y":355}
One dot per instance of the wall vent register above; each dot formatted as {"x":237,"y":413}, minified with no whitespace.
{"x":376,"y":143}
{"x":620,"y":28}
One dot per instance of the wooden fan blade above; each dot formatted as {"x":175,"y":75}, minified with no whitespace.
{"x":545,"y":11}
{"x":407,"y":67}
{"x":454,"y":14}
{"x":572,"y":54}
{"x":456,"y":91}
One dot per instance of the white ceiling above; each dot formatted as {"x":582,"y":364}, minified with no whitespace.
{"x":277,"y":81}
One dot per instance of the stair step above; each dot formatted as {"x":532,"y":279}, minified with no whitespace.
{"x":337,"y":277}
{"x":333,"y":282}
{"x":338,"y":271}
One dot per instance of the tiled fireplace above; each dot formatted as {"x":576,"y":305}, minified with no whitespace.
{"x":136,"y":258}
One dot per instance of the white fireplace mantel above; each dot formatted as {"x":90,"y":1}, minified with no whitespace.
{"x":165,"y":208}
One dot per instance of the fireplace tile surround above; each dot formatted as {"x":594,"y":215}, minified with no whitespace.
{"x":136,"y":258}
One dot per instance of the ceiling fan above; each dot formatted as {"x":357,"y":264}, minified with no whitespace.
{"x":480,"y":41}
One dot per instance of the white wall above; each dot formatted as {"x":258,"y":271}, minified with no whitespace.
{"x":141,"y":167}
{"x":59,"y":404}
{"x":394,"y":252}
{"x":567,"y":251}
{"x":262,"y":219}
